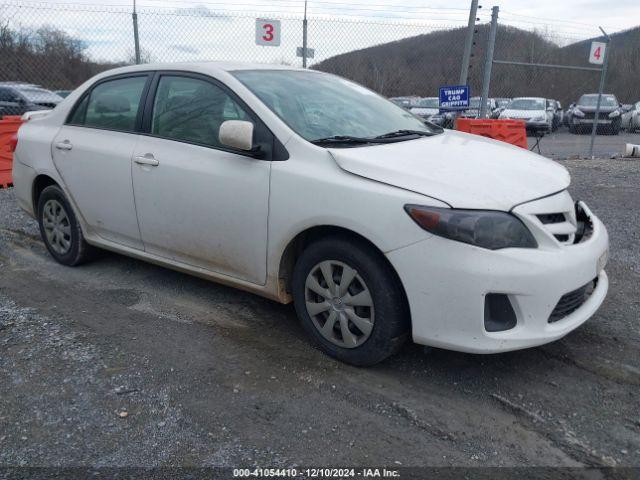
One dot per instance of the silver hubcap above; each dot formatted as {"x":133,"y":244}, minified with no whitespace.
{"x":339,"y":303}
{"x":57,"y":227}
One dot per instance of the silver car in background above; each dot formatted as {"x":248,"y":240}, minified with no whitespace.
{"x":631,"y":118}
{"x":426,"y":107}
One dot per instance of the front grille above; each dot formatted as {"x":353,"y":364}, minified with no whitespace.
{"x":547,"y":218}
{"x":572,"y":301}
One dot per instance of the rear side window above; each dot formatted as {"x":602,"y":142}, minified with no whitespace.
{"x":111,"y":105}
{"x":7,"y":95}
{"x":192,"y":110}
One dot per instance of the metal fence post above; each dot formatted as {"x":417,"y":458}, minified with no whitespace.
{"x":603,"y":75}
{"x":136,"y":40}
{"x":466,"y":56}
{"x":488,"y":61}
{"x":304,"y":37}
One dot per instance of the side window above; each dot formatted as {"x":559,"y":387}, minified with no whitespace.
{"x":192,"y":110}
{"x":6,"y":95}
{"x":80,"y":110}
{"x":112,"y":105}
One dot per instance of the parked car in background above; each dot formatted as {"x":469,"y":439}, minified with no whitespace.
{"x":474,"y":108}
{"x":404,"y":102}
{"x":558,"y":114}
{"x":535,"y":111}
{"x":63,"y":93}
{"x":444,"y":119}
{"x":631,"y":118}
{"x":426,"y":107}
{"x":501,"y":104}
{"x":18,"y":98}
{"x":582,"y":115}
{"x":379,"y":227}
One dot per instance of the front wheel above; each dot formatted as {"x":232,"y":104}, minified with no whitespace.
{"x":350,"y":301}
{"x":59,"y":228}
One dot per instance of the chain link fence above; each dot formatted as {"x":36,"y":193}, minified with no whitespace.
{"x":58,"y":46}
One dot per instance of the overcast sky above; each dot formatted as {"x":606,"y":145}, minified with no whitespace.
{"x":209,"y":29}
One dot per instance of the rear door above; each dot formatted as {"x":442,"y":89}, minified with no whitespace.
{"x":93,"y":154}
{"x":198,"y":202}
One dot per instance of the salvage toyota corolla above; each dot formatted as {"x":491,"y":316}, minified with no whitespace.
{"x":302,"y":186}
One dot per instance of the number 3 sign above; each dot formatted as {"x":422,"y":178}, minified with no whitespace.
{"x":268,"y":32}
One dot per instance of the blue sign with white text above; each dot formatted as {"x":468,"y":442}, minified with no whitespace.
{"x":455,"y":97}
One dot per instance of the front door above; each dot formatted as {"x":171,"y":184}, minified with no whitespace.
{"x":197,"y":202}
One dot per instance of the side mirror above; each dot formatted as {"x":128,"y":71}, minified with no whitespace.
{"x":237,"y":134}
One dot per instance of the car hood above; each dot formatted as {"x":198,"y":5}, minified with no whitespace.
{"x":603,"y":109}
{"x":524,"y":113}
{"x":462,"y":170}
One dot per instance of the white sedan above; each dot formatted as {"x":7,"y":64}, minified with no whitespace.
{"x":535,"y":111}
{"x":305,"y":187}
{"x":631,"y":118}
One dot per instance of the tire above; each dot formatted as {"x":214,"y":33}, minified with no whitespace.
{"x":369,"y":271}
{"x":616,"y":127}
{"x":60,"y":230}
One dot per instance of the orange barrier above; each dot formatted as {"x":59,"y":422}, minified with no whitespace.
{"x":8,"y":129}
{"x":510,"y":131}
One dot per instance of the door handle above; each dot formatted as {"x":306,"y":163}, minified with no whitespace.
{"x":66,"y":145}
{"x":146,"y":159}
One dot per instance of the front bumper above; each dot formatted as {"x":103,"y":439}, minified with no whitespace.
{"x":446,"y":283}
{"x":590,"y":121}
{"x":537,"y":125}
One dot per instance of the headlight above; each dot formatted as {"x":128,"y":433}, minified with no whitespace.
{"x":540,"y":118}
{"x":486,"y":229}
{"x":578,"y":113}
{"x":614,"y":114}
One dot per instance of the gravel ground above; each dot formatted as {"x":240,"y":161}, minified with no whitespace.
{"x":562,"y":144}
{"x":122,"y":363}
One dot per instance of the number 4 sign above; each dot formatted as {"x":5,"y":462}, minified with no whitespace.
{"x":597,"y":53}
{"x":267,"y":32}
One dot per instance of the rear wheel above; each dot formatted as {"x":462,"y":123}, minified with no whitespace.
{"x":59,"y":228}
{"x":350,"y":301}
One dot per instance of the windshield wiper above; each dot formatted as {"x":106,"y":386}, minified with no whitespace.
{"x":408,"y":133}
{"x":340,"y":139}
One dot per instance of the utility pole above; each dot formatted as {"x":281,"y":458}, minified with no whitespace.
{"x":304,"y":37}
{"x":468,"y":45}
{"x":603,"y":75}
{"x":488,"y":62}
{"x":136,"y":40}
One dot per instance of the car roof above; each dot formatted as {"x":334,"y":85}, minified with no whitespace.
{"x":19,"y":85}
{"x":213,"y":67}
{"x":530,"y":98}
{"x":595,"y":95}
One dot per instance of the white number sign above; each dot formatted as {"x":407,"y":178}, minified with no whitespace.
{"x":597,"y":53}
{"x":267,"y":32}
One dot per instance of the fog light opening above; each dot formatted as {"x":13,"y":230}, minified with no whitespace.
{"x":498,"y":313}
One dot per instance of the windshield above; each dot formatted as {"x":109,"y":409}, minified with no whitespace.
{"x":317,"y":105}
{"x":37,"y":95}
{"x":592,"y":101}
{"x":428,"y":103}
{"x":527,"y":104}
